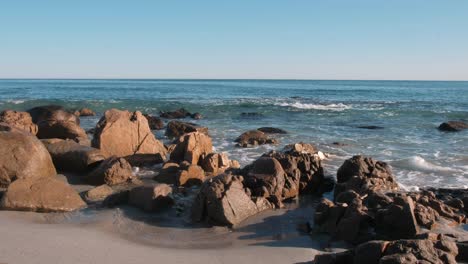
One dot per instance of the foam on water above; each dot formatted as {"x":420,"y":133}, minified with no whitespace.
{"x":417,"y":163}
{"x":328,"y":107}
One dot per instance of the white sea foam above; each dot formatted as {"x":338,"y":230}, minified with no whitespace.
{"x":420,"y":164}
{"x":325,"y":107}
{"x":16,"y":101}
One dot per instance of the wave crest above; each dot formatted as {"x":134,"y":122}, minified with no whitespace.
{"x":324,"y":107}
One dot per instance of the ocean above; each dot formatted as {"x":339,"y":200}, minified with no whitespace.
{"x":317,"y":112}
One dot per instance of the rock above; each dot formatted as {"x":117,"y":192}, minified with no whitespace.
{"x":272,"y":130}
{"x":369,"y":252}
{"x":462,"y":252}
{"x":155,"y":123}
{"x":453,"y":126}
{"x":55,"y":122}
{"x":41,"y":195}
{"x":398,"y":220}
{"x":85,"y":112}
{"x":422,"y":250}
{"x":222,"y":200}
{"x":254,"y":138}
{"x":68,"y":155}
{"x":151,"y":198}
{"x":344,"y":257}
{"x":370,"y":127}
{"x":19,"y":120}
{"x":168,"y":173}
{"x":196,"y":116}
{"x":192,"y":147}
{"x":299,"y":148}
{"x":122,"y":134}
{"x":99,"y":193}
{"x":407,"y":258}
{"x":176,"y":129}
{"x":111,"y":171}
{"x":364,"y":175}
{"x":192,"y":175}
{"x":23,"y":156}
{"x":426,"y":216}
{"x":179,"y":113}
{"x":251,"y":115}
{"x":216,"y":163}
{"x":354,"y":224}
{"x":267,"y":173}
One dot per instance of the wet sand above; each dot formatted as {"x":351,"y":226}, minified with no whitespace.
{"x":126,"y":235}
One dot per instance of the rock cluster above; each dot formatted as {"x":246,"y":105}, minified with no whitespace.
{"x":176,"y":129}
{"x":254,"y":138}
{"x":180,"y":113}
{"x":155,"y":123}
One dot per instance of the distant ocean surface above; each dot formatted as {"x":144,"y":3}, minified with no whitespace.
{"x":319,"y":112}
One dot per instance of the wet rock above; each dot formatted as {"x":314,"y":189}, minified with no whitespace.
{"x":179,"y":113}
{"x":370,"y":127}
{"x":196,"y":116}
{"x":192,"y":147}
{"x":41,"y":195}
{"x":155,"y":123}
{"x":84,"y":112}
{"x":99,"y":193}
{"x":123,"y":133}
{"x":398,"y":220}
{"x":222,"y":200}
{"x":254,"y":138}
{"x":176,"y":129}
{"x":111,"y":171}
{"x":19,"y":120}
{"x":344,"y":257}
{"x":370,"y":252}
{"x":151,"y":198}
{"x":23,"y":156}
{"x":55,"y":122}
{"x":267,"y":174}
{"x":453,"y":126}
{"x":68,"y":155}
{"x":364,"y":175}
{"x":272,"y":130}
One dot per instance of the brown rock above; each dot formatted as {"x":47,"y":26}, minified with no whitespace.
{"x":111,"y":171}
{"x":168,"y":173}
{"x":453,"y":126}
{"x":254,"y":138}
{"x":23,"y":156}
{"x":222,"y":200}
{"x":266,"y":172}
{"x":272,"y":130}
{"x":398,"y":220}
{"x":41,"y":195}
{"x":99,"y":193}
{"x":192,"y":147}
{"x":369,"y":252}
{"x":151,"y":197}
{"x":176,"y":129}
{"x":86,"y":112}
{"x":406,"y":258}
{"x":68,"y":155}
{"x":155,"y":123}
{"x":193,"y":175}
{"x":344,"y":257}
{"x":426,"y":216}
{"x":216,"y":163}
{"x":122,"y":133}
{"x":179,"y":113}
{"x":19,"y":120}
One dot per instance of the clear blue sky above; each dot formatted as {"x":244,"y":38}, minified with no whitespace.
{"x":300,"y":39}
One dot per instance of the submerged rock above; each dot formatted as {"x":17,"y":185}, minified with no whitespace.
{"x":84,"y":112}
{"x":41,"y":195}
{"x":23,"y":156}
{"x":177,"y":114}
{"x":453,"y":126}
{"x":123,"y":133}
{"x":254,"y":138}
{"x":19,"y":120}
{"x":272,"y":130}
{"x":370,"y":127}
{"x":155,"y":123}
{"x":177,"y":129}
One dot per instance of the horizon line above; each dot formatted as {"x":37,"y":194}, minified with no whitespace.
{"x":232,"y":79}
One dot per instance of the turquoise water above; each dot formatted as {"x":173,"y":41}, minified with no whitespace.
{"x":320,"y":112}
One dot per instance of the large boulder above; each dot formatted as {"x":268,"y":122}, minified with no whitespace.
{"x":254,"y":138}
{"x":453,"y":126}
{"x":192,"y":147}
{"x":222,"y":200}
{"x":19,"y":120}
{"x":41,"y":195}
{"x":398,"y":220}
{"x":111,"y":171}
{"x":123,"y":133}
{"x":22,"y":156}
{"x":177,"y":128}
{"x":266,"y":178}
{"x":155,"y":123}
{"x":55,"y":122}
{"x":68,"y":155}
{"x":184,"y":174}
{"x":365,"y":175}
{"x":151,"y":198}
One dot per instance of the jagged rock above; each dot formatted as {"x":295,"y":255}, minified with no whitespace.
{"x":426,"y":216}
{"x":272,"y":130}
{"x":41,"y":195}
{"x":370,"y":252}
{"x":98,"y":193}
{"x":123,"y":134}
{"x":190,"y":175}
{"x":179,"y":113}
{"x":192,"y":147}
{"x":23,"y":156}
{"x":55,"y":122}
{"x":254,"y":138}
{"x":398,"y":220}
{"x":155,"y":123}
{"x":151,"y":197}
{"x":422,"y":250}
{"x":111,"y":171}
{"x":266,"y":173}
{"x":406,"y":258}
{"x":223,"y":200}
{"x":68,"y":155}
{"x":19,"y":120}
{"x":176,"y":129}
{"x":453,"y":126}
{"x":217,"y":163}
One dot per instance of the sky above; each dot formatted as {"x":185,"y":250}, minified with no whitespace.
{"x":261,"y":39}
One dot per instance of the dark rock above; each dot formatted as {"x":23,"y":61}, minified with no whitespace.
{"x":196,"y":116}
{"x":251,"y":115}
{"x":272,"y":130}
{"x":369,"y":252}
{"x":426,"y":216}
{"x":344,"y":257}
{"x":453,"y":126}
{"x":254,"y":138}
{"x":111,"y":171}
{"x":462,"y":251}
{"x":266,"y":172}
{"x":176,"y":129}
{"x":398,"y":220}
{"x":85,"y":112}
{"x":155,"y":123}
{"x":406,"y":258}
{"x":151,"y":198}
{"x":179,"y":113}
{"x":370,"y":127}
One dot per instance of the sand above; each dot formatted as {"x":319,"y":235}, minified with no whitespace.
{"x":42,"y":238}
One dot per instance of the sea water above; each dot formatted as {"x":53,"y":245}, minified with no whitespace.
{"x":317,"y":112}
